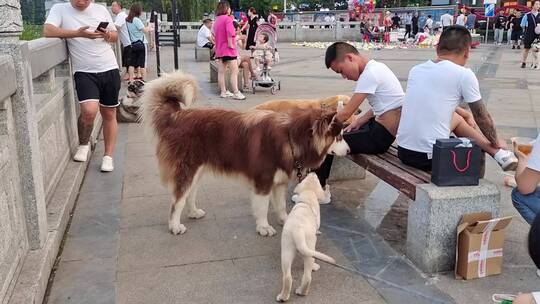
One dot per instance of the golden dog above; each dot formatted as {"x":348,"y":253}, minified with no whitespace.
{"x":284,"y":105}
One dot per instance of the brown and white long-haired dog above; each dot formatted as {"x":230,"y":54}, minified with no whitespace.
{"x":261,"y":147}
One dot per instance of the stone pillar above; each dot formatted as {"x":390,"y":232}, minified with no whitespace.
{"x":338,"y":31}
{"x":434,"y":216}
{"x":298,"y":32}
{"x":28,"y":153}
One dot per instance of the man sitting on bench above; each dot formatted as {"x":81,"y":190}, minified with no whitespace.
{"x":434,"y":91}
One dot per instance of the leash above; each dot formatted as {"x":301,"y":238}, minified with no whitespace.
{"x":297,"y":164}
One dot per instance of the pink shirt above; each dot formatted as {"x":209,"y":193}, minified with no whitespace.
{"x":223,"y":29}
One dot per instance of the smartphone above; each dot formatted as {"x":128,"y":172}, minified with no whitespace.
{"x":102,"y":26}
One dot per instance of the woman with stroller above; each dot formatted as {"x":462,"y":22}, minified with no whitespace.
{"x":226,"y":51}
{"x":244,"y":61}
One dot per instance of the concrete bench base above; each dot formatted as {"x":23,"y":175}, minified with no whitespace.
{"x":433,"y":218}
{"x":345,"y":169}
{"x":214,"y":76}
{"x":202,"y":54}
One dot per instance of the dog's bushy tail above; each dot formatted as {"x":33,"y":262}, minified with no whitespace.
{"x":165,"y":95}
{"x":301,"y":245}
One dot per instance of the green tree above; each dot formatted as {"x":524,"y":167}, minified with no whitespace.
{"x":33,"y":11}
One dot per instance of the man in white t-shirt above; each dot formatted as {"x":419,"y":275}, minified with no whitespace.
{"x":120,"y":23}
{"x":97,"y":79}
{"x":374,"y":131}
{"x":434,"y":91}
{"x":447,"y":20}
{"x":526,"y":196}
{"x":204,"y":36}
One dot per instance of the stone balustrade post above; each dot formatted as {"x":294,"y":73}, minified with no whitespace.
{"x":28,"y":153}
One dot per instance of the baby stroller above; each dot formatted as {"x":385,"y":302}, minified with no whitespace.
{"x":262,"y":55}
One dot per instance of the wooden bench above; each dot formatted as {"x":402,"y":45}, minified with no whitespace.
{"x":214,"y":76}
{"x":434,"y":212}
{"x":390,"y":169}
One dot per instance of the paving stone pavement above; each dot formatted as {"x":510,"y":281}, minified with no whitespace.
{"x":118,"y":249}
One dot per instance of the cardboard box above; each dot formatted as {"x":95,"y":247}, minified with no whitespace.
{"x":479,"y":248}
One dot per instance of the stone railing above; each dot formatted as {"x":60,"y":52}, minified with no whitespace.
{"x":38,"y":133}
{"x":287,"y":31}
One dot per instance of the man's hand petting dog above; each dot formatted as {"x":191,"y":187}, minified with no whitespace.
{"x":357,"y":123}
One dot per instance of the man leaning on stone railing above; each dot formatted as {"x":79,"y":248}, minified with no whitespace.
{"x":88,"y":29}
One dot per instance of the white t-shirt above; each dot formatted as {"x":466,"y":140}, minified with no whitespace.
{"x":534,"y":159}
{"x":384,"y":92}
{"x":461,"y":19}
{"x":202,"y":36}
{"x":87,"y":55}
{"x":447,"y":20}
{"x":434,"y":90}
{"x":429,"y":23}
{"x":120,"y":22}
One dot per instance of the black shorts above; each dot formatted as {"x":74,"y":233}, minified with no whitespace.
{"x":418,"y":160}
{"x":227,"y":58}
{"x":516,"y":35}
{"x":126,"y":55}
{"x":98,"y":86}
{"x":208,"y":45}
{"x":371,"y":138}
{"x":138,"y":58}
{"x":528,"y":40}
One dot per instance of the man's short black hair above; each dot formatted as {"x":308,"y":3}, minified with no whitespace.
{"x":455,"y":39}
{"x":534,"y":241}
{"x":337,"y":51}
{"x":206,"y":21}
{"x":429,"y":16}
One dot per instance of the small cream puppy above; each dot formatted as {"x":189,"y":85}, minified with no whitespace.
{"x":300,"y":233}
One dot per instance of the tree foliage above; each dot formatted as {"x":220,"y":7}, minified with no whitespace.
{"x":33,"y":11}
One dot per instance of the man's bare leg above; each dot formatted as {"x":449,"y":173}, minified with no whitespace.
{"x":460,"y":127}
{"x":110,"y":127}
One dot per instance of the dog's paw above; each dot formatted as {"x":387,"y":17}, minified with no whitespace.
{"x":196,"y":214}
{"x":266,"y":230}
{"x":316,"y":267}
{"x":300,"y":292}
{"x":177,"y":228}
{"x":281,"y":298}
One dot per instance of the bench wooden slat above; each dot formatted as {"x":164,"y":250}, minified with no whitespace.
{"x":392,"y":158}
{"x":395,"y":176}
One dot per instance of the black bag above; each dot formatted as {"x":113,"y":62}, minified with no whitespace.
{"x":137,"y":46}
{"x":456,"y":162}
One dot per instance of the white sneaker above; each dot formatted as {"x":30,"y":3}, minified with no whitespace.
{"x":327,"y":197}
{"x":506,"y":159}
{"x":107,"y":164}
{"x":238,"y":95}
{"x":226,"y":94}
{"x":82,"y":153}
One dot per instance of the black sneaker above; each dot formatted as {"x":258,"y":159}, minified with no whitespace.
{"x":519,"y":47}
{"x":523,"y":65}
{"x":513,"y":47}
